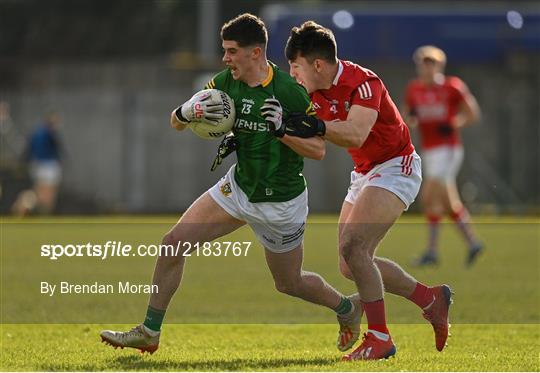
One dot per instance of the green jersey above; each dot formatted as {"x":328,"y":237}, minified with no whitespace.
{"x":267,"y":170}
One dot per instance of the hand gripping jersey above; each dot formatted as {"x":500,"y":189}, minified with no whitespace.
{"x":355,"y":85}
{"x":267,"y":170}
{"x":435,"y":107}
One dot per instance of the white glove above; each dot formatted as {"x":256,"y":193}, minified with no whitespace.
{"x":203,"y":106}
{"x":273,"y":114}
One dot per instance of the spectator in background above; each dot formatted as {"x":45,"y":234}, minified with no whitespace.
{"x":440,"y":106}
{"x":44,"y":155}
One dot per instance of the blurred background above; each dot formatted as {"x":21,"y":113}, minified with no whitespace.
{"x":112,"y":71}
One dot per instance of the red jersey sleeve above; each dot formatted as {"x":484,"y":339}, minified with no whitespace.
{"x":369,"y":94}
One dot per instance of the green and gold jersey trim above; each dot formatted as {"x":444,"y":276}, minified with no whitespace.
{"x":310,"y":110}
{"x":210,"y":85}
{"x":269,"y":77}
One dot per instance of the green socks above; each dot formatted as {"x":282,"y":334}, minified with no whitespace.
{"x":344,"y":307}
{"x":154,"y":319}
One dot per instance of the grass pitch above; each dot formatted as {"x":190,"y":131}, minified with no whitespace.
{"x":267,"y":347}
{"x":227,"y":315}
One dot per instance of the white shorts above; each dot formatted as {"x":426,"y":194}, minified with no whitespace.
{"x":401,"y":175}
{"x":46,"y":172}
{"x":443,"y":162}
{"x":279,"y":226}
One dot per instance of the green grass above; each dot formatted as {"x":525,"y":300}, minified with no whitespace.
{"x":267,"y":347}
{"x":227,"y":315}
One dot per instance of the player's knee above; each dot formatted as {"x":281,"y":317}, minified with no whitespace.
{"x":345,"y":247}
{"x":345,"y":270}
{"x":289,"y":286}
{"x":169,"y":240}
{"x":168,"y":253}
{"x":354,"y":248}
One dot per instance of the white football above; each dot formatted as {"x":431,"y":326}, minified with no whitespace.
{"x":211,"y":131}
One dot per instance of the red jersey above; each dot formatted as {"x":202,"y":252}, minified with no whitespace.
{"x":435,"y":106}
{"x":355,"y":85}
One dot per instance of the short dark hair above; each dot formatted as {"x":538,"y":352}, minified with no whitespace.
{"x":311,"y":41}
{"x":246,"y":29}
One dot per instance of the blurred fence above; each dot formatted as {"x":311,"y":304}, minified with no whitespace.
{"x":123,"y":156}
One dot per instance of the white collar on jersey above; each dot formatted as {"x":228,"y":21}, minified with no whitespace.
{"x":339,"y":72}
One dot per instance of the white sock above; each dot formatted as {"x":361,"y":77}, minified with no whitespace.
{"x":429,"y":305}
{"x":379,"y":335}
{"x":150,"y":332}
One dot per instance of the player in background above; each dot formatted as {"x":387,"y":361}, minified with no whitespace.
{"x":440,"y":106}
{"x":357,"y":113}
{"x":44,"y":153}
{"x":265,"y":188}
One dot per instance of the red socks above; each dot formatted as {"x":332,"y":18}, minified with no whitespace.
{"x":422,"y":295}
{"x":433,"y":219}
{"x":376,"y":316}
{"x":460,"y":215}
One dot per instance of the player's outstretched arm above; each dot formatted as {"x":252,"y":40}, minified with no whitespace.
{"x":312,"y":147}
{"x":352,"y":132}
